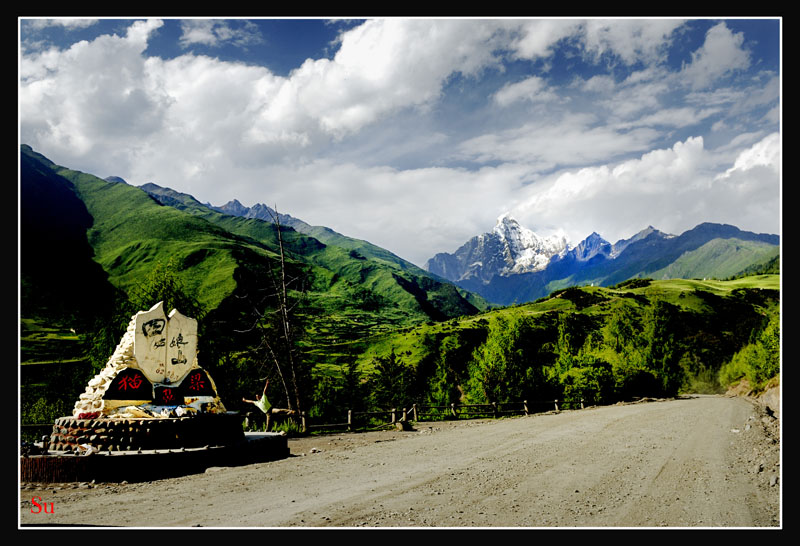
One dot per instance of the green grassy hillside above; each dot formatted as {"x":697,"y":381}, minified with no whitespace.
{"x":390,"y":279}
{"x":639,"y":338}
{"x":368,"y":322}
{"x":122,"y":235}
{"x":130,"y":232}
{"x":719,"y":258}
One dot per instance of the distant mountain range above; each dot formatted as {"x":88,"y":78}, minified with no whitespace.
{"x":511,"y":264}
{"x":110,"y":232}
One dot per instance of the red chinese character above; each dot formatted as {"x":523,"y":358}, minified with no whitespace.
{"x":196,"y":382}
{"x":168,"y":395}
{"x":134,"y":382}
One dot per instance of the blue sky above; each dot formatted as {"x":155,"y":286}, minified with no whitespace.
{"x":416,"y":134}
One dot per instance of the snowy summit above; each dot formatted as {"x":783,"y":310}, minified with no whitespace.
{"x":526,"y":251}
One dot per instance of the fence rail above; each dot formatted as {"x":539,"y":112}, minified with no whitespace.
{"x":361,"y":420}
{"x":365,"y":420}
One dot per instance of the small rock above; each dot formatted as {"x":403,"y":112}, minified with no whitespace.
{"x":773,"y":480}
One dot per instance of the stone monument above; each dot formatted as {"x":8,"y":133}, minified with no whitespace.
{"x":152,"y":394}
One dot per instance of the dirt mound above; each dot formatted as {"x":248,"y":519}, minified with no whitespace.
{"x":769,"y":396}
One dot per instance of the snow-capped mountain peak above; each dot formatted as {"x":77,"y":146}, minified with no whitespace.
{"x":507,"y":250}
{"x":525,"y":250}
{"x":591,"y":246}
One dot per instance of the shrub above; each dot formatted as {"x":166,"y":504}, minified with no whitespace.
{"x":593,"y":382}
{"x":758,"y":362}
{"x":290,"y":426}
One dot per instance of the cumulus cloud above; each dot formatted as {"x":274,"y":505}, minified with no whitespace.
{"x":627,"y":40}
{"x":765,"y":153}
{"x":216,"y":32}
{"x":672,"y":189}
{"x":721,"y":54}
{"x":92,"y":95}
{"x":632,"y":40}
{"x":537,"y":38}
{"x":380,"y":68}
{"x":311,"y":141}
{"x":385,"y":65}
{"x":601,"y":83}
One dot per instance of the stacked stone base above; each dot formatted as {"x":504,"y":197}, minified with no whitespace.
{"x":133,"y":466}
{"x":74,"y":435}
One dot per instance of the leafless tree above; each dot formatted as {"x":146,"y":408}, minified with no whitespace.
{"x":276,"y":324}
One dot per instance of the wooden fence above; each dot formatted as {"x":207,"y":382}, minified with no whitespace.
{"x":366,"y":420}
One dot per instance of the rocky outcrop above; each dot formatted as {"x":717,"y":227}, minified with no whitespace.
{"x":769,"y":396}
{"x":91,"y":400}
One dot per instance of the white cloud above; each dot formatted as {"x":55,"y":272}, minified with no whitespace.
{"x":93,"y":96}
{"x":533,"y":89}
{"x":765,"y":153}
{"x":382,"y":67}
{"x":198,"y":32}
{"x":631,"y":39}
{"x":385,"y":65}
{"x":573,"y":139}
{"x":720,"y":55}
{"x":629,"y":100}
{"x":537,"y":38}
{"x":415,"y":213}
{"x":672,"y":117}
{"x":315,"y":142}
{"x":598,"y":84}
{"x":216,"y":32}
{"x":69,"y":23}
{"x":672,"y":189}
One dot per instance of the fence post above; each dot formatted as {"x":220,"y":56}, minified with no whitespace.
{"x":414,"y":411}
{"x":394,"y":417}
{"x":556,"y":402}
{"x":303,"y":422}
{"x":581,"y":403}
{"x":350,"y":420}
{"x":494,"y":409}
{"x":453,"y":409}
{"x":403,"y":418}
{"x":525,"y":406}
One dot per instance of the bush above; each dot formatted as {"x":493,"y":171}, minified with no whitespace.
{"x":593,"y":383}
{"x":758,"y":362}
{"x":290,"y":426}
{"x":637,"y":382}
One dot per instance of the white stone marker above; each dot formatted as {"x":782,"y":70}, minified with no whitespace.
{"x":181,"y":346}
{"x":164,"y":348}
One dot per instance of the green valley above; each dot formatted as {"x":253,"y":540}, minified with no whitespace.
{"x":371,"y":329}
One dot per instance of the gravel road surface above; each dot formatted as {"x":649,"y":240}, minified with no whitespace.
{"x":702,"y":461}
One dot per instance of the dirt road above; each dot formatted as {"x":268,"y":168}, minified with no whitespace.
{"x":701,"y":461}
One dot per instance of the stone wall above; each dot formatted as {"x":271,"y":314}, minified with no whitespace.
{"x":70,"y":433}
